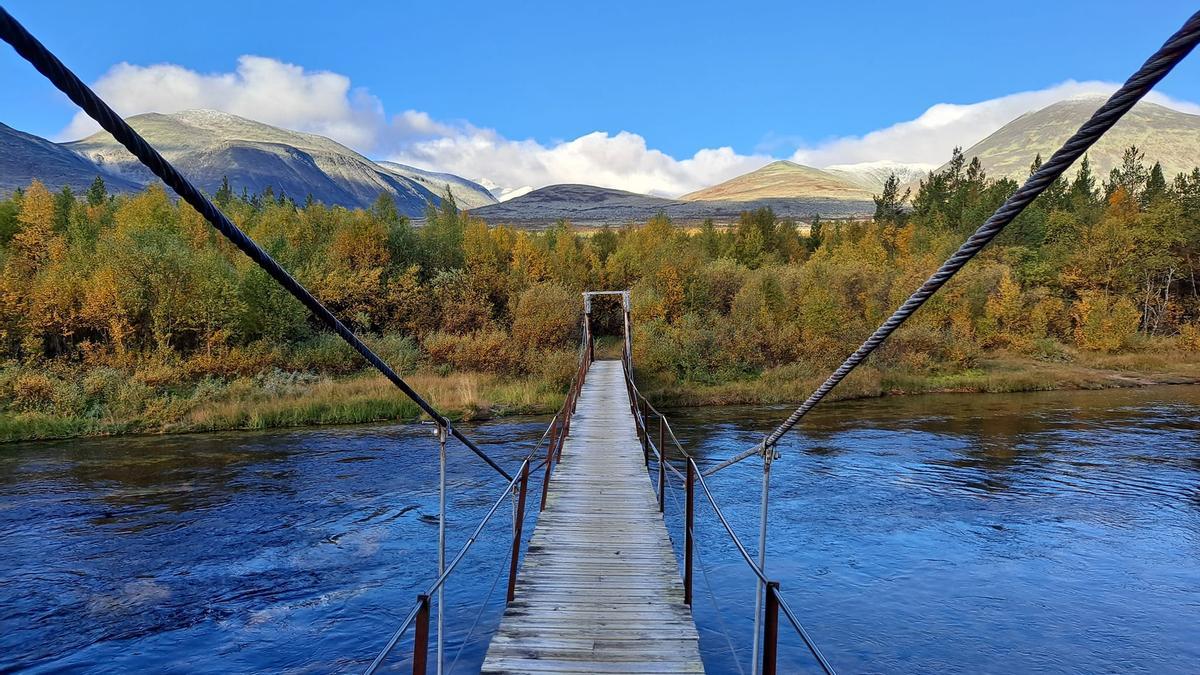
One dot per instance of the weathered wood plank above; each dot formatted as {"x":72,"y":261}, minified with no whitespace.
{"x":599,"y":589}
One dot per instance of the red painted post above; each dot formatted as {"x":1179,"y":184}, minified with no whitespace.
{"x":771,"y":629}
{"x":421,"y":639}
{"x":662,"y":464}
{"x":518,"y":522}
{"x":688,"y":542}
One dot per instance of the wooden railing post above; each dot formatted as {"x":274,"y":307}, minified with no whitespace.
{"x":662,"y":464}
{"x":421,"y":638}
{"x":771,"y":629}
{"x":689,"y":511}
{"x":518,"y":522}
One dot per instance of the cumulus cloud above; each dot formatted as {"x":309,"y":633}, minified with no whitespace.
{"x":327,"y":103}
{"x":930,"y":138}
{"x":621,"y":160}
{"x":263,"y":89}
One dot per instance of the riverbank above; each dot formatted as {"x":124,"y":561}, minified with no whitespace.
{"x":996,"y":373}
{"x":280,"y":400}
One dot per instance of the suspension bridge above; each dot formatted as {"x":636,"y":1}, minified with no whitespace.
{"x":598,"y":590}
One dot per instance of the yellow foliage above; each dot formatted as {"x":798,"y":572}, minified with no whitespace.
{"x":1103,"y":324}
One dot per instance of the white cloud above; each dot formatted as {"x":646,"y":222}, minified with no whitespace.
{"x":620,"y":160}
{"x":326,"y":103}
{"x":931,"y":137}
{"x":260,"y":88}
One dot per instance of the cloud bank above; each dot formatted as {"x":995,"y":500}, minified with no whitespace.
{"x":327,"y":103}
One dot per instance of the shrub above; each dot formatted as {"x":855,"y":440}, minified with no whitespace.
{"x":1189,"y":336}
{"x":490,"y":351}
{"x":545,"y":316}
{"x":325,"y":353}
{"x":398,"y":351}
{"x":32,"y":392}
{"x":1104,"y":325}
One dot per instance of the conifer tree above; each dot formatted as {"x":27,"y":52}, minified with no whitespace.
{"x":97,"y":192}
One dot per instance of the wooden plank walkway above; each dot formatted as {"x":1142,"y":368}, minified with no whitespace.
{"x":599,"y":591}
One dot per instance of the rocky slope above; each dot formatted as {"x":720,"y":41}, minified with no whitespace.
{"x":24,"y":157}
{"x":207,"y":146}
{"x":467,"y":194}
{"x":1165,"y":135}
{"x":871,"y":175}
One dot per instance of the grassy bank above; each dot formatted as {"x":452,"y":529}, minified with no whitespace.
{"x":995,"y":373}
{"x":61,"y":408}
{"x":289,"y":400}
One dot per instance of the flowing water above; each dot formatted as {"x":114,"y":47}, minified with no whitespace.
{"x":1014,"y":533}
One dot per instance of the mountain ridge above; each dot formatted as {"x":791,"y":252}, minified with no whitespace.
{"x":588,"y":205}
{"x":782,"y":179}
{"x":25,"y":157}
{"x":1165,"y":135}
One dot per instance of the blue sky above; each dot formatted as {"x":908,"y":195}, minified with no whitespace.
{"x":762,"y":79}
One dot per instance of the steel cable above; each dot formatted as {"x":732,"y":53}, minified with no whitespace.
{"x":68,"y":83}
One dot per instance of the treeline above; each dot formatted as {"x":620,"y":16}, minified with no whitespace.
{"x":134,"y":283}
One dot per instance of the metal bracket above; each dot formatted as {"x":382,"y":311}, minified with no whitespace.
{"x":769,"y":453}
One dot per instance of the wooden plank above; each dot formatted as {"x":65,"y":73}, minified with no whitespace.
{"x":599,"y":589}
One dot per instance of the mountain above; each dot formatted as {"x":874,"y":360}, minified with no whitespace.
{"x":871,"y":175}
{"x":588,"y":205}
{"x":207,"y":145}
{"x":502,"y":193}
{"x":783,"y":180}
{"x":577,"y":203}
{"x":467,"y":194}
{"x":24,"y":157}
{"x":1165,"y":135}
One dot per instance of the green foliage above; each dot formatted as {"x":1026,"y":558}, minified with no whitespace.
{"x":546,"y":316}
{"x":130,"y":304}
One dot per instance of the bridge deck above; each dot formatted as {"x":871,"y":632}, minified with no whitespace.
{"x":599,"y":591}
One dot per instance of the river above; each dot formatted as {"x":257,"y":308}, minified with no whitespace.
{"x":1053,"y":532}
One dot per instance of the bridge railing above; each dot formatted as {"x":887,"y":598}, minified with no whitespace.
{"x":553,"y":438}
{"x":643,"y":412}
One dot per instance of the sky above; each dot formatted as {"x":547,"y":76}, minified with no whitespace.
{"x":648,"y":96}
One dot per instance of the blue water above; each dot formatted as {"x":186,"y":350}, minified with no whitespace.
{"x":293,"y":551}
{"x":1054,"y":533}
{"x":1028,"y":533}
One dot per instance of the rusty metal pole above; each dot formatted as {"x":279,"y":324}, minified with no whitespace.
{"x":662,"y":464}
{"x":421,"y":638}
{"x":518,"y":522}
{"x":688,"y":543}
{"x":565,"y":429}
{"x":587,"y":335}
{"x":549,"y":461}
{"x":771,"y":629}
{"x":442,"y":432}
{"x":645,"y":433}
{"x":768,"y":456}
{"x":628,"y":334}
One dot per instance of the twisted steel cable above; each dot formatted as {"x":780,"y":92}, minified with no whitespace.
{"x":1176,"y":48}
{"x":67,"y":82}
